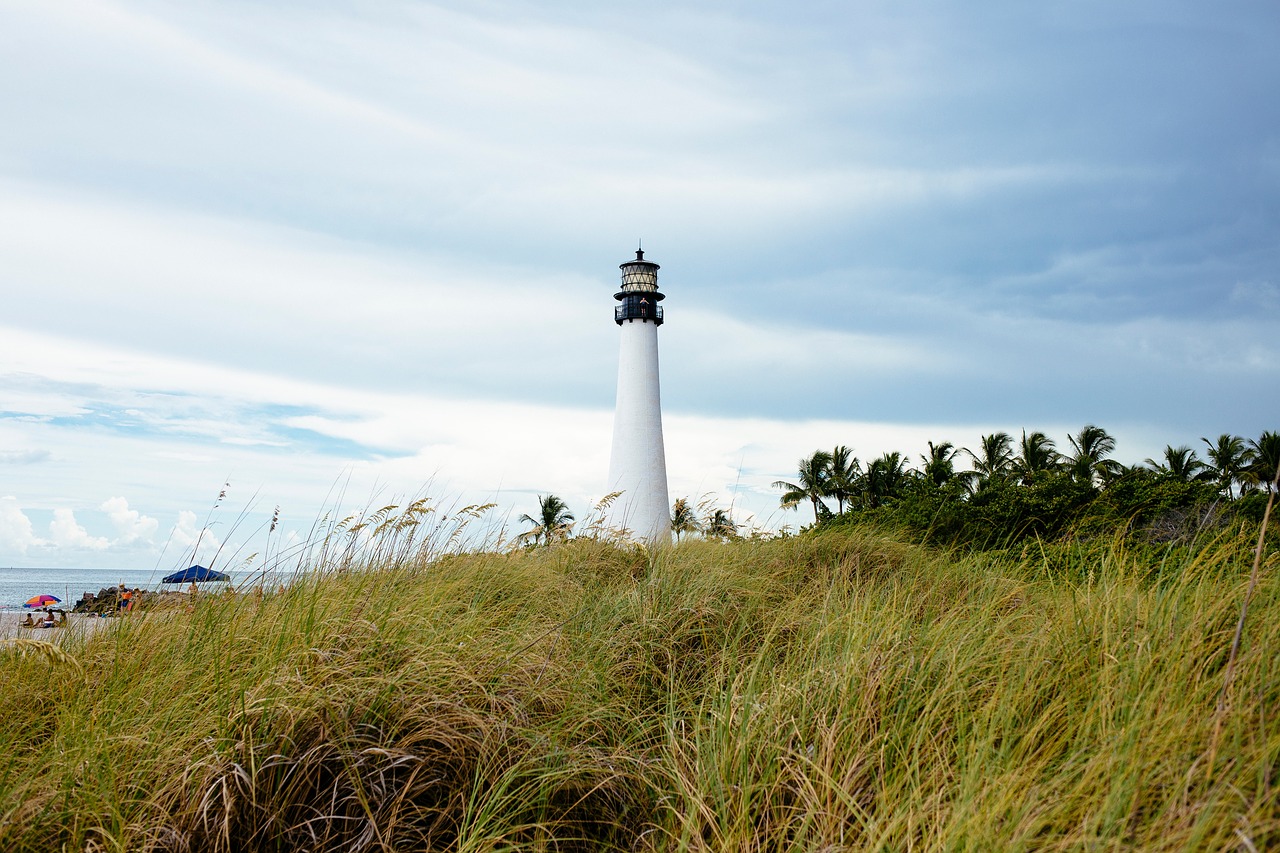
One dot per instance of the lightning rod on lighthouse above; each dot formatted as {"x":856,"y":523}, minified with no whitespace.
{"x":637,"y":464}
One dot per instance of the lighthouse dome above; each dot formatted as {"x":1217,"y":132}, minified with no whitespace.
{"x":639,"y":274}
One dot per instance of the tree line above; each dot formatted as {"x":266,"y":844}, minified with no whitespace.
{"x":555,"y":522}
{"x":1016,"y":488}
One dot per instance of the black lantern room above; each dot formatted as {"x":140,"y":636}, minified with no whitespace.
{"x":639,"y":295}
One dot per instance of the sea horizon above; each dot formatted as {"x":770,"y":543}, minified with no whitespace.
{"x":18,"y":585}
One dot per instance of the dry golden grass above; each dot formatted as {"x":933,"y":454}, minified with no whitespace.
{"x":830,"y":692}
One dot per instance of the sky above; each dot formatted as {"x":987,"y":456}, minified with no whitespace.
{"x":326,"y":256}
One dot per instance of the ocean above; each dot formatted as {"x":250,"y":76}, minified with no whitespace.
{"x":20,"y":585}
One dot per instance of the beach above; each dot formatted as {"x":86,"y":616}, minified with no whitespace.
{"x":78,"y":624}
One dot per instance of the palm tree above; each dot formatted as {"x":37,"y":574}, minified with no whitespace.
{"x":1036,"y":453}
{"x":1266,"y":457}
{"x":844,"y":473}
{"x":1180,"y":464}
{"x":683,"y":518}
{"x":1229,"y":460}
{"x":553,"y":522}
{"x":1089,"y":463}
{"x":720,"y":525}
{"x":939,"y":465}
{"x":885,"y":478}
{"x":811,"y":483}
{"x":994,"y":459}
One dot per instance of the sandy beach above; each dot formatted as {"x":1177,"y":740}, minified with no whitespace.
{"x":84,"y":624}
{"x":77,"y":624}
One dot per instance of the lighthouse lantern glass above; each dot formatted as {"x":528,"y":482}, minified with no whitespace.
{"x":639,"y":277}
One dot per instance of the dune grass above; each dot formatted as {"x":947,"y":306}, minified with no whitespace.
{"x":845,"y":690}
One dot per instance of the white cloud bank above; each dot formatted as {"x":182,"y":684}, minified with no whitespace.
{"x":17,"y":534}
{"x":68,"y":540}
{"x":131,"y":526}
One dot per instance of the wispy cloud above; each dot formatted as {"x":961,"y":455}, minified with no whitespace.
{"x":23,"y":457}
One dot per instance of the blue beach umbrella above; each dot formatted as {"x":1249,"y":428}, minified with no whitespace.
{"x":195,"y":574}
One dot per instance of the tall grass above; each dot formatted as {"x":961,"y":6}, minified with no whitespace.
{"x":840,"y":691}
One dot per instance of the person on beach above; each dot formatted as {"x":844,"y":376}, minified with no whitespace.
{"x":47,"y":622}
{"x":27,"y":623}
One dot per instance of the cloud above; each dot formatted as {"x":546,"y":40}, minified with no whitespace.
{"x":67,"y":533}
{"x":203,"y":291}
{"x":131,"y":525}
{"x":304,"y":245}
{"x":192,"y":539}
{"x":16,"y":532}
{"x":1257,"y":296}
{"x":23,"y":457}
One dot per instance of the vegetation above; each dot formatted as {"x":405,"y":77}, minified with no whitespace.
{"x":683,"y":518}
{"x":1028,"y":489}
{"x":721,"y":526}
{"x":813,"y":483}
{"x":553,"y":524}
{"x":842,"y":689}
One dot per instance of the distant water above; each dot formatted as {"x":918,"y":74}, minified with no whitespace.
{"x":19,"y":585}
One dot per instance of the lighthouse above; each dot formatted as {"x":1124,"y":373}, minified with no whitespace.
{"x":638,"y":463}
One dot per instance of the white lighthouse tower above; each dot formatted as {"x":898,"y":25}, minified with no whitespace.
{"x":638,"y":464}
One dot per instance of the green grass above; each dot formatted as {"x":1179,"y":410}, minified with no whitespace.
{"x":840,"y":691}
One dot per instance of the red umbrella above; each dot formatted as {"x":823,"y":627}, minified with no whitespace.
{"x":43,"y":601}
